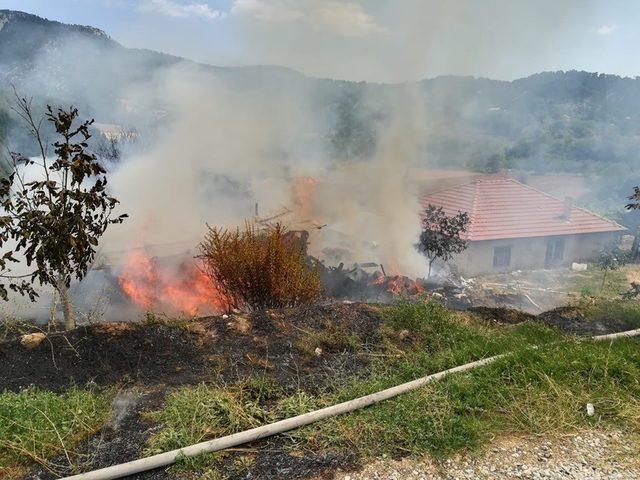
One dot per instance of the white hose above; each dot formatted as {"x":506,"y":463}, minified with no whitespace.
{"x":167,"y":458}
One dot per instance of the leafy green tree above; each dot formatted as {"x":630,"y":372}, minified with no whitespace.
{"x":56,"y":219}
{"x":442,"y":235}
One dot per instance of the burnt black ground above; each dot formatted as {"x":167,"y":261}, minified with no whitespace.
{"x":150,"y":358}
{"x":572,"y":319}
{"x":212,"y":349}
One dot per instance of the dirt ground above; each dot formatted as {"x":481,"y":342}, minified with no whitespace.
{"x":588,"y":455}
{"x":538,"y":291}
{"x":145,"y":360}
{"x":157,"y":354}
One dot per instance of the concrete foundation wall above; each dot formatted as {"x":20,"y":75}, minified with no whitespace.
{"x":530,"y":253}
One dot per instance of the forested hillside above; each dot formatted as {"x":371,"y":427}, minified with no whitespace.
{"x":556,"y":121}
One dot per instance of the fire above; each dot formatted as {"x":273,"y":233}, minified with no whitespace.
{"x":399,"y":284}
{"x":138,"y":279}
{"x":302,"y":192}
{"x":181,"y":289}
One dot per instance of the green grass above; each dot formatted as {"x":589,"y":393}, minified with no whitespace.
{"x":539,"y":391}
{"x":38,"y":425}
{"x":193,"y":414}
{"x":446,"y":339}
{"x":624,"y":313}
{"x":589,"y":283}
{"x":533,"y":391}
{"x":330,"y":338}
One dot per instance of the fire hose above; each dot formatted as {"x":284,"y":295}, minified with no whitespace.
{"x":168,"y":458}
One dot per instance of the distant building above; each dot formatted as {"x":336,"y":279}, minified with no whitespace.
{"x":515,"y":226}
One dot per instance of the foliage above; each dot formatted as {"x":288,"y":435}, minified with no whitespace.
{"x":635,"y":199}
{"x":534,"y":391}
{"x":620,"y":314}
{"x":192,"y":414}
{"x":37,"y":425}
{"x":631,"y":219}
{"x":560,"y":121}
{"x":531,"y":392}
{"x":296,"y":404}
{"x":611,"y":258}
{"x":57,"y":219}
{"x":260,"y":268}
{"x":441,"y":235}
{"x":195,"y":413}
{"x":425,"y":319}
{"x":330,"y":336}
{"x":633,"y":292}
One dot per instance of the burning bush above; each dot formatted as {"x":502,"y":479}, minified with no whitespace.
{"x":260,"y":268}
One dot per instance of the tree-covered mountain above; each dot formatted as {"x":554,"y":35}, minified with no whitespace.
{"x":69,"y":64}
{"x":573,"y":121}
{"x":560,"y":121}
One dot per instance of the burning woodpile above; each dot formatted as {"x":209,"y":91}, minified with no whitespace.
{"x":367,"y":282}
{"x":399,"y":284}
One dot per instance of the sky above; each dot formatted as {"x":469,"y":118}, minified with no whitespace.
{"x":373,"y":40}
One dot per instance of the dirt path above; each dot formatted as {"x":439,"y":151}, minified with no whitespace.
{"x":589,"y":455}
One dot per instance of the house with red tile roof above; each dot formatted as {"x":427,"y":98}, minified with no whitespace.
{"x":515,"y":226}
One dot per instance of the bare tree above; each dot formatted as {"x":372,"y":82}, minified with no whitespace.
{"x":56,"y":219}
{"x":441,"y":236}
{"x":611,"y":258}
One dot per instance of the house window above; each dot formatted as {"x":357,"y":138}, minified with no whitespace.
{"x":555,"y":250}
{"x":501,"y":257}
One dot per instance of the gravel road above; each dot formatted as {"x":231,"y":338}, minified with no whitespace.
{"x":588,"y":455}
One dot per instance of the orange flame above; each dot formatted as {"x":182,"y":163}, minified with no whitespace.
{"x":185,"y":289}
{"x":138,"y":279}
{"x":398,"y":284}
{"x":303,"y":190}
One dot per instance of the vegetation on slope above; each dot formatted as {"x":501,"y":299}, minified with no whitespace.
{"x":334,"y":354}
{"x":534,"y":391}
{"x":559,"y":121}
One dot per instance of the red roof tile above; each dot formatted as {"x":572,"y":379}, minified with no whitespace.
{"x":505,"y":208}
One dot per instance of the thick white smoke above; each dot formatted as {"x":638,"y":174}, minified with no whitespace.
{"x":224,"y":149}
{"x":221,"y":151}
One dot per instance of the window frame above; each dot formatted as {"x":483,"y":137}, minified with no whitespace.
{"x":502,"y":256}
{"x":555,"y":245}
